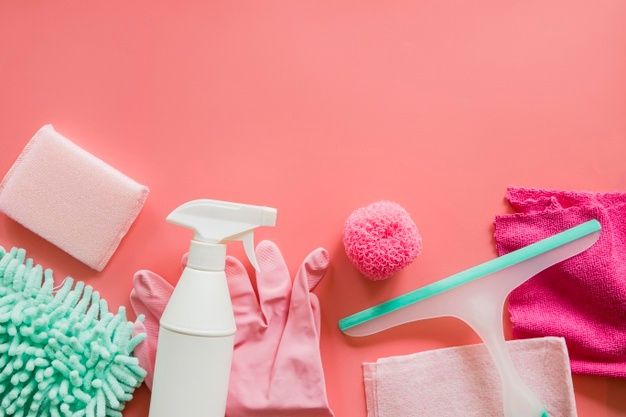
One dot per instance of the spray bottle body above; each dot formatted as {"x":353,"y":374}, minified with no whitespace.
{"x":195,"y":344}
{"x":197,"y":329}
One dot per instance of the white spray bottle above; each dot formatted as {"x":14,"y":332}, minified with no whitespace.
{"x":198,"y":327}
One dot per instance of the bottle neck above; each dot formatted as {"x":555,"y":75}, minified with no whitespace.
{"x":206,"y":256}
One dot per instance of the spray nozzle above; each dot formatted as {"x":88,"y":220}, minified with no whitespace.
{"x":217,"y":222}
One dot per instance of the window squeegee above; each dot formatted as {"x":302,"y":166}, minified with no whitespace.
{"x":477,"y":297}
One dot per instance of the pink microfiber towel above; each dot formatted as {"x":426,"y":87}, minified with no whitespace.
{"x":582,"y":299}
{"x":462,"y":381}
{"x":71,"y":198}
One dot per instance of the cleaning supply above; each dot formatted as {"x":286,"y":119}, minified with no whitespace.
{"x":71,"y":198}
{"x":381,"y":239}
{"x":277,"y":368}
{"x":458,"y":381}
{"x":62,"y":352}
{"x":582,"y":299}
{"x":197,"y":328}
{"x":477,"y":296}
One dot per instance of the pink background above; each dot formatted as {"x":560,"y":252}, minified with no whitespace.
{"x":317,"y":108}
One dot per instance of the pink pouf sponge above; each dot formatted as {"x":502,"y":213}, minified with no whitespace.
{"x":381,"y":239}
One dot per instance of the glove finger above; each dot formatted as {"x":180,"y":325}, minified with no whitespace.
{"x":145,"y":352}
{"x":304,"y":306}
{"x":151,"y":322}
{"x":273,"y":280}
{"x":315,"y":309}
{"x":316,"y":265}
{"x":151,"y":293}
{"x":299,"y":350}
{"x":149,"y":297}
{"x":244,"y":300}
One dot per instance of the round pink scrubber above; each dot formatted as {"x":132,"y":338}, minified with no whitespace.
{"x":381,"y":239}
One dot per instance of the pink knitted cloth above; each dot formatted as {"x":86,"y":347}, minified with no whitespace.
{"x":462,"y":381}
{"x":582,"y":299}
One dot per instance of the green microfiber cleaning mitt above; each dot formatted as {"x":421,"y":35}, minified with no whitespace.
{"x":62,"y":352}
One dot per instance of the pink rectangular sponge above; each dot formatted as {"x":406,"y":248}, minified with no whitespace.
{"x":71,"y":198}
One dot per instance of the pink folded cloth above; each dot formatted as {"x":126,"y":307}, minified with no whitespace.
{"x":582,"y":299}
{"x":462,"y":381}
{"x":71,"y":198}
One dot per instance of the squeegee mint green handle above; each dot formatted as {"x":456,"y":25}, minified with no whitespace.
{"x":471,"y":274}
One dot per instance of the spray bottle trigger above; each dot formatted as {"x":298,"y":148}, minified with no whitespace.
{"x":248,"y":246}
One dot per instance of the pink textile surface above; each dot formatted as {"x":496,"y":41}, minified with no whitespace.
{"x":582,"y":299}
{"x":462,"y":381}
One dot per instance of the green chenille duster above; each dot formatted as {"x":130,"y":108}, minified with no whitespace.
{"x":62,"y":352}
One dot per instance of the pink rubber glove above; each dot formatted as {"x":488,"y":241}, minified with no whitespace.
{"x":277,"y":369}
